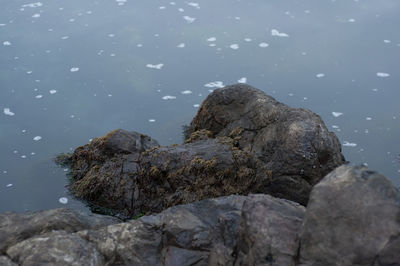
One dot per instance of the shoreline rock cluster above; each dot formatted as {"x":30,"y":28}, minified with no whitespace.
{"x":255,"y":183}
{"x":241,"y":141}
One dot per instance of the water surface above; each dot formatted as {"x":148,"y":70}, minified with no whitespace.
{"x":74,"y":70}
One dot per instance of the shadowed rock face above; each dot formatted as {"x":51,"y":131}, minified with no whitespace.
{"x":241,"y":141}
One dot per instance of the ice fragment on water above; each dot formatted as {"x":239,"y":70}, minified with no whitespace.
{"x":349,"y":144}
{"x":320,"y":75}
{"x":7,"y":111}
{"x":33,"y":5}
{"x":186,"y":92}
{"x":211,"y":39}
{"x":169,"y":97}
{"x":63,"y":200}
{"x":234,"y":46}
{"x":152,"y":120}
{"x":157,"y":66}
{"x":337,"y":114}
{"x":351,"y":20}
{"x":6,"y":43}
{"x":196,"y":5}
{"x":215,"y":84}
{"x":368,"y":118}
{"x":247,"y":39}
{"x":9,"y":185}
{"x":196,"y":105}
{"x":38,"y":96}
{"x":242,"y":80}
{"x":189,"y":19}
{"x":181,"y":45}
{"x":37,"y":138}
{"x":74,"y":69}
{"x":263,"y":45}
{"x":382,"y":75}
{"x":52,"y":91}
{"x":275,"y":32}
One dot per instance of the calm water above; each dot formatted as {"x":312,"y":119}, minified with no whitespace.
{"x":73,"y":70}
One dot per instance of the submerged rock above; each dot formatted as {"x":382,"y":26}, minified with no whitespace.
{"x":241,"y":141}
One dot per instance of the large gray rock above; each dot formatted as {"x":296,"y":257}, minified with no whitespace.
{"x":16,"y":227}
{"x":353,"y":218}
{"x":294,"y":143}
{"x":55,"y":248}
{"x":5,"y":261}
{"x":242,"y":141}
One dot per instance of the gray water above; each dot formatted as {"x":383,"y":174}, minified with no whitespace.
{"x":74,"y":70}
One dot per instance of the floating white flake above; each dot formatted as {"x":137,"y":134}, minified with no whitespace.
{"x":275,"y":32}
{"x":196,"y":5}
{"x":320,"y":75}
{"x":349,"y":144}
{"x":382,"y":75}
{"x":121,"y":2}
{"x":263,"y":45}
{"x":9,"y":185}
{"x":37,"y":138}
{"x":157,"y":66}
{"x":387,"y":41}
{"x":74,"y":69}
{"x":368,"y":118}
{"x":169,"y":97}
{"x":242,"y":80}
{"x":64,"y":37}
{"x":39,"y":96}
{"x":189,"y":19}
{"x":6,"y":43}
{"x":37,"y":15}
{"x":152,"y":120}
{"x":211,"y":39}
{"x":196,"y":105}
{"x":337,"y":114}
{"x":63,"y":200}
{"x":181,"y":45}
{"x":351,"y":20}
{"x":234,"y":46}
{"x":215,"y":84}
{"x":7,"y":111}
{"x":186,"y":92}
{"x":53,"y":91}
{"x":33,"y":5}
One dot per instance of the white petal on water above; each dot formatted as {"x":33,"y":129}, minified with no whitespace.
{"x":64,"y":37}
{"x":211,"y":39}
{"x":37,"y":138}
{"x":349,"y":144}
{"x":215,"y":84}
{"x":63,"y":200}
{"x":351,"y":20}
{"x":242,"y":80}
{"x":247,"y":39}
{"x":335,"y":126}
{"x":169,"y":97}
{"x":23,"y":156}
{"x":337,"y":114}
{"x":275,"y":32}
{"x":6,"y":43}
{"x":7,"y":111}
{"x":181,"y":45}
{"x":234,"y":46}
{"x":9,"y":185}
{"x":161,"y":7}
{"x":382,"y":75}
{"x":212,"y":45}
{"x":387,"y":41}
{"x":181,"y":10}
{"x":121,"y":2}
{"x":37,"y":15}
{"x":53,"y":91}
{"x":189,"y":19}
{"x":74,"y":69}
{"x":320,"y":75}
{"x":152,"y":120}
{"x":368,"y":118}
{"x":39,"y":96}
{"x":186,"y":92}
{"x":263,"y":45}
{"x":157,"y":66}
{"x":196,"y":105}
{"x":111,"y":35}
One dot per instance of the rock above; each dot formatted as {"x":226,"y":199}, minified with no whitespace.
{"x":294,"y":143}
{"x":353,"y":218}
{"x":55,"y":248}
{"x":5,"y":261}
{"x":15,"y":227}
{"x":268,"y":234}
{"x":242,"y":141}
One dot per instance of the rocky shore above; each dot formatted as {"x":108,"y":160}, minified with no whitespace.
{"x":255,"y":183}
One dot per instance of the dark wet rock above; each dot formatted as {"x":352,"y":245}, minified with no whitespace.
{"x":55,"y":248}
{"x":5,"y":261}
{"x":353,"y":218}
{"x":242,"y":141}
{"x":294,"y":143}
{"x":16,"y":227}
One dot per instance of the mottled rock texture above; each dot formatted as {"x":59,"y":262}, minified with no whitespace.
{"x":353,"y":218}
{"x":241,"y":141}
